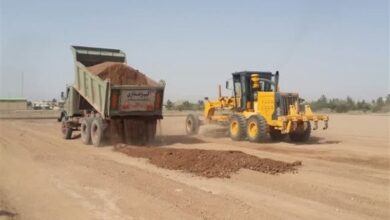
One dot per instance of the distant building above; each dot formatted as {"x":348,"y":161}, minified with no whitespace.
{"x":13,"y":104}
{"x":42,"y":104}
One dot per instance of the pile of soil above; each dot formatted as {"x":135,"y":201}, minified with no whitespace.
{"x":208,"y":163}
{"x":121,"y":74}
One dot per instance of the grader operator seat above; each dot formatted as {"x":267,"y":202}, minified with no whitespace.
{"x":243,"y":88}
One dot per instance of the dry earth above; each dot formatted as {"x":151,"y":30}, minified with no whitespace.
{"x":345,"y":175}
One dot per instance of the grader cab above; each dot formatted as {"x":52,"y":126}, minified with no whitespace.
{"x":256,"y":109}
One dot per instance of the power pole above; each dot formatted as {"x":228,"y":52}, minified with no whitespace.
{"x":22,"y":84}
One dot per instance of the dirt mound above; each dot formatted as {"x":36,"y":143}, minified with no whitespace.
{"x":121,"y":74}
{"x":207,"y":163}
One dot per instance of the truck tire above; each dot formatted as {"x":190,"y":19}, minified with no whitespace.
{"x":237,"y":127}
{"x":85,"y":130}
{"x":151,"y":130}
{"x":59,"y":119}
{"x":276,"y":135}
{"x":192,"y":124}
{"x":116,"y":131}
{"x":97,"y":131}
{"x":147,"y":133}
{"x":65,"y":129}
{"x":256,"y":129}
{"x":62,"y":115}
{"x":301,"y":134}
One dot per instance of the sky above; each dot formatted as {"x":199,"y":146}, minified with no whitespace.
{"x":338,"y":48}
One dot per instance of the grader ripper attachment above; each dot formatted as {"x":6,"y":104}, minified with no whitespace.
{"x":258,"y":108}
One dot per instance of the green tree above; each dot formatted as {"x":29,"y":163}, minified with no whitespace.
{"x":379,"y":103}
{"x":323,"y":99}
{"x":169,"y":105}
{"x":186,"y":105}
{"x":363,"y":105}
{"x":342,"y":108}
{"x":350,"y":103}
{"x":200,"y":105}
{"x":387,"y":102}
{"x":321,"y":103}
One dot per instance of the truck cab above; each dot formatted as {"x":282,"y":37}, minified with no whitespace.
{"x":74,"y":104}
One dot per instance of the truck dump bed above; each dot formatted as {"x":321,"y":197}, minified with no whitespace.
{"x":121,"y":74}
{"x":113,"y":88}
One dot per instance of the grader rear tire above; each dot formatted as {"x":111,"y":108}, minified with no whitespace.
{"x":237,"y":127}
{"x":257,"y":129}
{"x":97,"y":131}
{"x":276,"y":134}
{"x":301,"y":134}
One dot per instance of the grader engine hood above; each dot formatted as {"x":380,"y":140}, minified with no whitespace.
{"x":284,"y":100}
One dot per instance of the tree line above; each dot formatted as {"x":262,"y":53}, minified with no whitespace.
{"x":338,"y":105}
{"x":185,"y":105}
{"x":381,"y":104}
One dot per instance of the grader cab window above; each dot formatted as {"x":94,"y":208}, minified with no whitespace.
{"x":237,"y":89}
{"x":266,"y":86}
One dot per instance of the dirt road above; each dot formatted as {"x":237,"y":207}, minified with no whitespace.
{"x":345,"y":175}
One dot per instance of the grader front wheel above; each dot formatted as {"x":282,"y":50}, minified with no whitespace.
{"x":256,"y":129}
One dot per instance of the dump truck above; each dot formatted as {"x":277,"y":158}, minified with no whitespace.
{"x":109,"y":99}
{"x":258,"y":108}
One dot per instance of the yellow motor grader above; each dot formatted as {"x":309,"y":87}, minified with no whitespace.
{"x":256,"y":109}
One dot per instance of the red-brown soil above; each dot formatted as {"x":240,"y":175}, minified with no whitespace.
{"x":121,"y":74}
{"x":207,"y":163}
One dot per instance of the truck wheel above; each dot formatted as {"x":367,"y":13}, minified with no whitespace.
{"x":59,"y":119}
{"x":301,"y":134}
{"x":147,"y":134}
{"x":116,"y":131}
{"x":237,"y":125}
{"x":151,"y":130}
{"x":85,"y":130}
{"x":65,"y":129}
{"x":192,"y":124}
{"x":276,"y":135}
{"x":256,"y":128}
{"x":97,"y":131}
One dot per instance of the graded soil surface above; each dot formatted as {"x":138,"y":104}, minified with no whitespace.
{"x":345,"y":174}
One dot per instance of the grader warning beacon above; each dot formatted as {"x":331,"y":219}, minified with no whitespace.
{"x":258,"y":108}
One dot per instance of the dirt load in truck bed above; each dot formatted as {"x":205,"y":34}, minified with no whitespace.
{"x":121,"y":74}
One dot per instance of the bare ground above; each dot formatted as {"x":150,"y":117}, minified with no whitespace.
{"x":345,"y":175}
